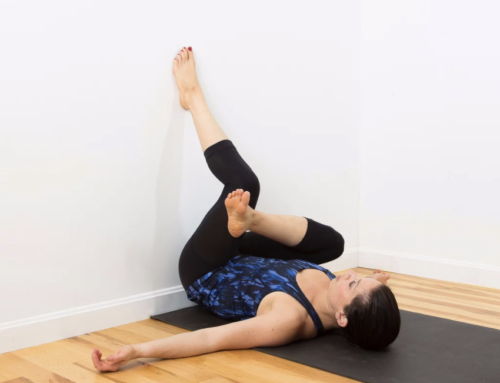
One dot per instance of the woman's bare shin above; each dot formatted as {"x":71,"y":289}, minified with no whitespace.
{"x":286,"y":229}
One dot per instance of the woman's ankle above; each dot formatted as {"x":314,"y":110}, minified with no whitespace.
{"x":255,"y":215}
{"x":195,"y":99}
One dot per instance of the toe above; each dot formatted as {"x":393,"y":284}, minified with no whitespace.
{"x":191,"y":57}
{"x":246,"y":197}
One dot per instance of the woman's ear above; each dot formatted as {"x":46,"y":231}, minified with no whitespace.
{"x":341,"y":318}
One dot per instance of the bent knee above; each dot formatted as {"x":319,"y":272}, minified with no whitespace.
{"x":336,"y":249}
{"x":249,"y":182}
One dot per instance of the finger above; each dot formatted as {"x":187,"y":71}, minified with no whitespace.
{"x":97,"y":362}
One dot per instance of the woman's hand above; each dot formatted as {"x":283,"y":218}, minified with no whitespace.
{"x":381,"y":277}
{"x":115,"y":361}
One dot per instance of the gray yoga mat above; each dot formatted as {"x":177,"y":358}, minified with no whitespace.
{"x":428,"y":349}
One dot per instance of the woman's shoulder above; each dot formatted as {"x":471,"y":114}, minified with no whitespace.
{"x":284,"y":305}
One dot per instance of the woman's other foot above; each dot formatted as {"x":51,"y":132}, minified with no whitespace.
{"x":239,"y":213}
{"x":185,"y":76}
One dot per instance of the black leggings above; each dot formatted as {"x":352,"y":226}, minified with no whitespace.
{"x":212,"y":246}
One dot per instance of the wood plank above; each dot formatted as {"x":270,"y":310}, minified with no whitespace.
{"x":5,"y":373}
{"x":25,"y":369}
{"x":63,"y":361}
{"x":18,"y":380}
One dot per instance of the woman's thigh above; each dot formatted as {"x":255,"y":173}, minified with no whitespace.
{"x":211,"y":245}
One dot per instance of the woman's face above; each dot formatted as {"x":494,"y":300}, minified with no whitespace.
{"x":344,"y":288}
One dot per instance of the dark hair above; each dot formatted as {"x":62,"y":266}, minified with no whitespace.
{"x":373,"y":320}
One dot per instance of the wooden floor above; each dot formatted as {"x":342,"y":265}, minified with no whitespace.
{"x":69,"y":360}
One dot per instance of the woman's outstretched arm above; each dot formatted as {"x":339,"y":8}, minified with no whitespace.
{"x":276,"y":328}
{"x":175,"y":346}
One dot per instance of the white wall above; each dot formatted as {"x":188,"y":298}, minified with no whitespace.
{"x":429,"y":138}
{"x":102,"y":177}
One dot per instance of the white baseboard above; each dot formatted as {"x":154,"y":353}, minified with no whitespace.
{"x":55,"y":326}
{"x":431,"y":267}
{"x":52,"y":327}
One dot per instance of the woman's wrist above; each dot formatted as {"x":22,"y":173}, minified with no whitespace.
{"x":380,"y":277}
{"x":138,"y":350}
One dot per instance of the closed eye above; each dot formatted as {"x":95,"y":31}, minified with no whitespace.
{"x":350,"y":284}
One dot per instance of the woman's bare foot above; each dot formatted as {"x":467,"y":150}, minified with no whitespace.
{"x":238,"y":211}
{"x":185,"y":76}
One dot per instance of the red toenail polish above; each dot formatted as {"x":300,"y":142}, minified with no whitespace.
{"x":190,"y":48}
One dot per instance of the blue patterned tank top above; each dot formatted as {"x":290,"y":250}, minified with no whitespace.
{"x":235,"y":290}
